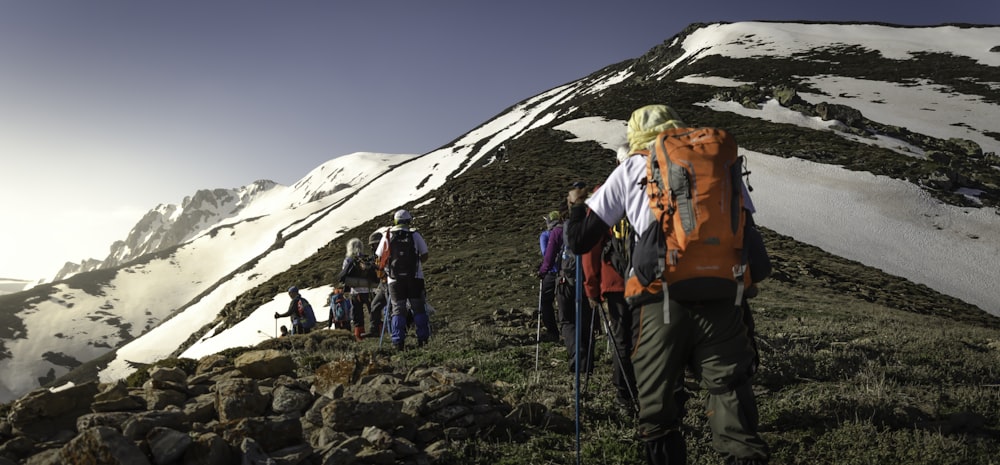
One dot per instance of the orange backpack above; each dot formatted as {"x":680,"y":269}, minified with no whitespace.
{"x":695,"y":189}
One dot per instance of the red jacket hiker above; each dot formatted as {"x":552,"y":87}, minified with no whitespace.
{"x":599,"y":275}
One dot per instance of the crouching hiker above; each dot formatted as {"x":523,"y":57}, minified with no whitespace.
{"x":340,"y":310}
{"x":686,"y":281}
{"x":301,"y":313}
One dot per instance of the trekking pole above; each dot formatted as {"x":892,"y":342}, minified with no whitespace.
{"x":385,"y":322}
{"x":579,"y":319}
{"x":275,"y":327}
{"x":538,"y":330}
{"x":618,"y":356}
{"x":590,"y":350}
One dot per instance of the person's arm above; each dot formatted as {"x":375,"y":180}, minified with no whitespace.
{"x":592,"y":271}
{"x":291,"y":309}
{"x":421,"y":244}
{"x":583,"y":230}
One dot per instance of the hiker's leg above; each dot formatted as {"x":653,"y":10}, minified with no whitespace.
{"x":623,"y":375}
{"x":547,"y":305}
{"x":586,"y":336}
{"x":566,"y":300}
{"x":377,"y":307}
{"x":397,"y":323}
{"x":357,"y":311}
{"x":659,"y":358}
{"x":723,"y":361}
{"x":420,"y":318}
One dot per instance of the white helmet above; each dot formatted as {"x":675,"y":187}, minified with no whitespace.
{"x":402,"y":216}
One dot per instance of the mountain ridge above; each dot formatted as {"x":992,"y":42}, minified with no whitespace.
{"x":612,"y":92}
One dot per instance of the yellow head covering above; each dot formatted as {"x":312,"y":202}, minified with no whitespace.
{"x":649,"y":121}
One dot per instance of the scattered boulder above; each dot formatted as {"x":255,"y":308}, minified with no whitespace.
{"x":260,"y":364}
{"x":255,"y":410}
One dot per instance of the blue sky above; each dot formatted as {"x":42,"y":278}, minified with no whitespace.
{"x":110,"y":107}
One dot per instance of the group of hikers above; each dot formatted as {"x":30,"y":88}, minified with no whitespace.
{"x":387,"y":282}
{"x":665,"y":254}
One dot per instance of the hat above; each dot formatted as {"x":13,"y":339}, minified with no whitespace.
{"x":374,"y":238}
{"x":293,"y":289}
{"x":402,"y":216}
{"x":551,"y":219}
{"x":649,"y":121}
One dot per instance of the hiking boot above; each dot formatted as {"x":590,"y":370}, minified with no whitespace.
{"x":421,"y":343}
{"x":549,"y":337}
{"x":667,"y":450}
{"x":398,"y":346}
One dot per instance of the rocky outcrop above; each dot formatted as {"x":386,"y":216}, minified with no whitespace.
{"x":254,"y":409}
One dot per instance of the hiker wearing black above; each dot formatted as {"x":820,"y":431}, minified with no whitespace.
{"x":360,"y":300}
{"x":401,"y":252}
{"x":547,"y":280}
{"x":604,"y":267}
{"x":378,"y":296}
{"x":709,"y":335}
{"x":558,"y":255}
{"x":300,"y":311}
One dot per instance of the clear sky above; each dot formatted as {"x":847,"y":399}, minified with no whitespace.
{"x":110,"y":107}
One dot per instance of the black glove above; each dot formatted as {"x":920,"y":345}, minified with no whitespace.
{"x":276,"y":316}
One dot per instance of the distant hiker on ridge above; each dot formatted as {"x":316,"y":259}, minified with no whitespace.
{"x":401,"y":252}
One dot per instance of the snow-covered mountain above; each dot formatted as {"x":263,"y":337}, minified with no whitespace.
{"x":169,"y":225}
{"x":875,"y":143}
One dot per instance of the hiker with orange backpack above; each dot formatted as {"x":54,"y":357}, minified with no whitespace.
{"x":682,"y":192}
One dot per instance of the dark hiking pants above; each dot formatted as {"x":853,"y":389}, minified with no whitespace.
{"x":546,"y":304}
{"x":620,"y":320}
{"x":711,"y":338}
{"x":566,"y":297}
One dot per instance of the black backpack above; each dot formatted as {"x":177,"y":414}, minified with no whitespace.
{"x":361,"y":272}
{"x":618,"y":249}
{"x":567,"y":263}
{"x":403,"y":259}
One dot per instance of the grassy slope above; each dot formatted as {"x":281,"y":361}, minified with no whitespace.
{"x":857,"y":366}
